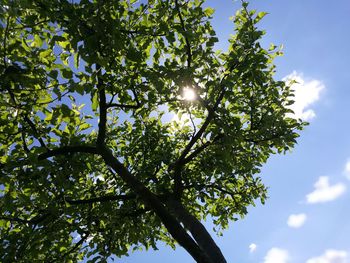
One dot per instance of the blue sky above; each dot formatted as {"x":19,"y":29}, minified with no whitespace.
{"x":306,"y":218}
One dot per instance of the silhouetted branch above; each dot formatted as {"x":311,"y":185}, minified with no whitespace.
{"x":68,"y":149}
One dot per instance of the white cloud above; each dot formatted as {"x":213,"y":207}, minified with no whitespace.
{"x":252,"y":247}
{"x":331,"y":256}
{"x":306,"y":93}
{"x":277,"y":255}
{"x":325,"y":192}
{"x":347,"y":169}
{"x":296,"y":220}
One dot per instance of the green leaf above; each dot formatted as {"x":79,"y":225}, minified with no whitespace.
{"x":67,"y":73}
{"x":64,"y":44}
{"x":37,"y":41}
{"x":94,"y":104}
{"x":25,"y":46}
{"x":209,"y":11}
{"x":53,"y":74}
{"x":45,"y":53}
{"x":260,"y":16}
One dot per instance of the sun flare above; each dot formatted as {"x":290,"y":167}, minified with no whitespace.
{"x":189,"y":94}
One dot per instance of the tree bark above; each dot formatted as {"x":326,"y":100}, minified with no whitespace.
{"x":198,"y":231}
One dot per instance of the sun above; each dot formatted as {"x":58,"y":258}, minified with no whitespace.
{"x":189,"y":94}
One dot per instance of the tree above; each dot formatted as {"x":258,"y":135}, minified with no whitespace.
{"x":120,"y":172}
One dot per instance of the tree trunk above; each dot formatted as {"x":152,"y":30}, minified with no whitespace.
{"x":151,"y":200}
{"x":198,"y":231}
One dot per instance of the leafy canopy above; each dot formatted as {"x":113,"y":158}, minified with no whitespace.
{"x":100,"y":151}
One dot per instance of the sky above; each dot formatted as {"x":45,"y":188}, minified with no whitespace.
{"x":306,"y":218}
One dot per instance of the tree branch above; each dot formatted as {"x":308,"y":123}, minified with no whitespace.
{"x":68,"y":149}
{"x":103,"y":108}
{"x":200,"y":132}
{"x":201,"y":148}
{"x":188,"y":46}
{"x":5,"y":40}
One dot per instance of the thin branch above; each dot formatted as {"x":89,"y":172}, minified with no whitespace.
{"x":67,"y":150}
{"x":136,"y":212}
{"x":188,"y":46}
{"x":5,"y":40}
{"x":25,"y":146}
{"x":55,"y":99}
{"x":180,"y":162}
{"x":201,"y":148}
{"x":213,"y":186}
{"x":33,"y":25}
{"x":35,"y":131}
{"x":76,"y":246}
{"x":125,"y":106}
{"x":105,"y":198}
{"x":15,"y":219}
{"x":203,"y":128}
{"x":272,"y":137}
{"x":27,"y":119}
{"x":137,"y":32}
{"x":103,"y":108}
{"x":135,"y":96}
{"x":210,"y":116}
{"x":177,"y":166}
{"x":193,"y":124}
{"x":35,"y":220}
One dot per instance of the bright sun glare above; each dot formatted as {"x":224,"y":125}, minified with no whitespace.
{"x":189,"y":94}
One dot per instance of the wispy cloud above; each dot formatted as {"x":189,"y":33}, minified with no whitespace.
{"x":306,"y":93}
{"x":324,"y":192}
{"x":331,"y":256}
{"x":277,"y":255}
{"x":252,"y":247}
{"x":347,"y":169}
{"x":296,"y":220}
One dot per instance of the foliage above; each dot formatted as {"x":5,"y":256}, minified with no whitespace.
{"x":93,"y":162}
